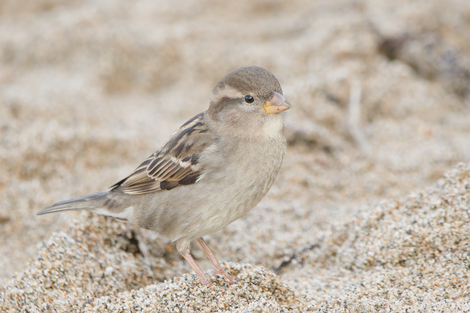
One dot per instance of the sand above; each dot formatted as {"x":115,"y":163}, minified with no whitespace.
{"x":409,"y":254}
{"x":369,"y":212}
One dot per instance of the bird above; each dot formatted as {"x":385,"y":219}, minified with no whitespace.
{"x":212,"y":171}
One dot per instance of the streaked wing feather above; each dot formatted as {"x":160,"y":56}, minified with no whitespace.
{"x":176,"y":164}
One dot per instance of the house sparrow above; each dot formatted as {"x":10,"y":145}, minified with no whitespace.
{"x":212,"y":170}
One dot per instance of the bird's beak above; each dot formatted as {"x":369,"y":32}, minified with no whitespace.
{"x":276,"y":104}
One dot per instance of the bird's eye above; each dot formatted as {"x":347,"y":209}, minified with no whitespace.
{"x":249,"y":98}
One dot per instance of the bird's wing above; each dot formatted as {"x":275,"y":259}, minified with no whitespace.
{"x":176,"y":164}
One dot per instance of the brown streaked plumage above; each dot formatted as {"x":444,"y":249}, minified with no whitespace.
{"x":176,"y":164}
{"x":212,"y":170}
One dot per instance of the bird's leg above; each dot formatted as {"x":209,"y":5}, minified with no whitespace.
{"x":186,"y":253}
{"x":215,"y":263}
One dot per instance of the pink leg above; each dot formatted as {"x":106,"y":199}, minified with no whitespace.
{"x":187,"y":255}
{"x":215,"y":263}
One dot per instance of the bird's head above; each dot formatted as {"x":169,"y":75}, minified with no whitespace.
{"x":249,"y":99}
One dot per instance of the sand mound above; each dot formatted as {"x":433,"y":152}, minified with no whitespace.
{"x":413,"y":254}
{"x":82,"y":269}
{"x":402,"y":254}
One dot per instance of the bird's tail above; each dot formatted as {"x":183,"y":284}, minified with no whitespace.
{"x":88,"y":202}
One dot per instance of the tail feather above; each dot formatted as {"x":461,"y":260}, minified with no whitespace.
{"x":88,"y":202}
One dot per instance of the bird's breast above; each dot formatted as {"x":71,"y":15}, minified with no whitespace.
{"x":246,"y":172}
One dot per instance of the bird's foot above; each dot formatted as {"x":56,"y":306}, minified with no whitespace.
{"x":231,"y":279}
{"x":204,"y":280}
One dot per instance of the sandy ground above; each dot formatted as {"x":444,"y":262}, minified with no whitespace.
{"x":361,"y":216}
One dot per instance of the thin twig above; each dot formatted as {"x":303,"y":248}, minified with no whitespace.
{"x":354,"y":116}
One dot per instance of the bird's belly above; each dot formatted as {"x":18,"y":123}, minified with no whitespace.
{"x":225,"y":205}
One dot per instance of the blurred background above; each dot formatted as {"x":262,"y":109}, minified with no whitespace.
{"x":88,"y":89}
